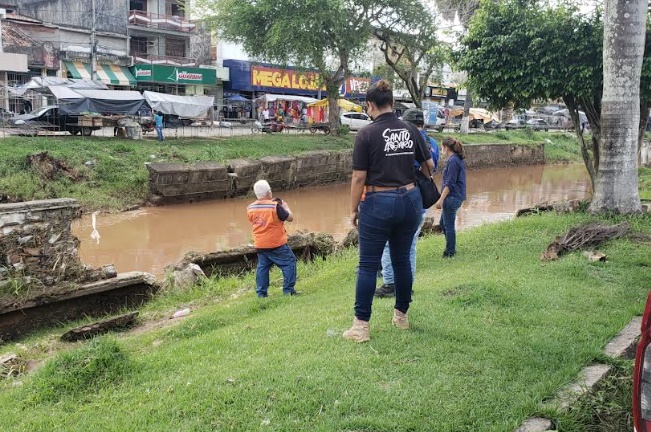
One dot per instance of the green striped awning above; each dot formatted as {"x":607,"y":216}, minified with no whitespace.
{"x":108,"y":74}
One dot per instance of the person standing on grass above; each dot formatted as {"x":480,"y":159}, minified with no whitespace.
{"x":158,"y":118}
{"x":453,"y":193}
{"x":415,"y":116}
{"x":383,"y":164}
{"x":268,"y":215}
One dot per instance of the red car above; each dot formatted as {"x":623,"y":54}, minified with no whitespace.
{"x":642,"y":375}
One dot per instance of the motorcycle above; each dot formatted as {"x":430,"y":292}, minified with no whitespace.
{"x":147,"y":124}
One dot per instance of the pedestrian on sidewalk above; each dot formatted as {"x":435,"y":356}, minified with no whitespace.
{"x":453,"y":193}
{"x":268,"y":215}
{"x":383,"y":164}
{"x":159,"y":125}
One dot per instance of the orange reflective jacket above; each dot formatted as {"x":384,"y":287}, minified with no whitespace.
{"x":268,"y":230}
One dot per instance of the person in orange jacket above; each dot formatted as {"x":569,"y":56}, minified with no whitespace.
{"x":268,"y":217}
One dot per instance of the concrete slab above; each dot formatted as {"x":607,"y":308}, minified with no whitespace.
{"x":535,"y":424}
{"x":623,"y":345}
{"x":588,"y":378}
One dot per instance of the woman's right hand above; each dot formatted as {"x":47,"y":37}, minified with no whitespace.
{"x":353,"y":218}
{"x":438,"y":204}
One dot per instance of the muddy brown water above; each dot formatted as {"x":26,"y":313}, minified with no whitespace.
{"x":151,"y":238}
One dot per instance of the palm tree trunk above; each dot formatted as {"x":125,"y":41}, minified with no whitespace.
{"x":616,"y":188}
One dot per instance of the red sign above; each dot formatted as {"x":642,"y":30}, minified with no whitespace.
{"x":357,"y":85}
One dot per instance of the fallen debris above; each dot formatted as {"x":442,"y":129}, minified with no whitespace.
{"x":100,"y":327}
{"x":49,"y":167}
{"x":591,"y":235}
{"x":564,"y":207}
{"x":595,"y":256}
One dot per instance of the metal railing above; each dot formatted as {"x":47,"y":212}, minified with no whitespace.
{"x":162,"y":22}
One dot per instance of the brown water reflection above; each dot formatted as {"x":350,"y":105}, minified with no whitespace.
{"x":151,"y":238}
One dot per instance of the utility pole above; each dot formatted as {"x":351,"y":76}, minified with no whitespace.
{"x":93,"y":43}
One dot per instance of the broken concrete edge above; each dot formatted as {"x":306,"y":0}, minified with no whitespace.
{"x":621,"y":346}
{"x":100,"y":327}
{"x":121,"y":280}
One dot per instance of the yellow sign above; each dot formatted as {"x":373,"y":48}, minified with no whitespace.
{"x":284,"y":78}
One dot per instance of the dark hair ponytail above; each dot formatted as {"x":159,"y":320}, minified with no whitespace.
{"x":380,"y":93}
{"x":454,"y":145}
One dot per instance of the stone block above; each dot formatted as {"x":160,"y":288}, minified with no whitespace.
{"x":624,"y":343}
{"x":246,"y":174}
{"x":535,"y":424}
{"x":278,"y":171}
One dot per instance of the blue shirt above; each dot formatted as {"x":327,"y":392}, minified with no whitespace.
{"x":433,"y":149}
{"x":159,"y":120}
{"x":454,"y":177}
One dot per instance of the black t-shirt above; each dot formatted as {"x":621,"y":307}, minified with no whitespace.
{"x":386,"y":150}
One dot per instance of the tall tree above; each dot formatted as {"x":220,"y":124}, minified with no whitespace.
{"x":320,"y":34}
{"x":410,"y":45}
{"x":623,"y":51}
{"x":464,"y":10}
{"x":493,"y":54}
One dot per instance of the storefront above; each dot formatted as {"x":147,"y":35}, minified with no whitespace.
{"x":253,"y":80}
{"x":176,"y":80}
{"x":109,"y":74}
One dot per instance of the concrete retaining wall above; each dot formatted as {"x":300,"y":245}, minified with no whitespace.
{"x":170,"y":183}
{"x":42,"y":280}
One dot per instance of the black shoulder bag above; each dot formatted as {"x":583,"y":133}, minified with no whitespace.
{"x":428,"y":189}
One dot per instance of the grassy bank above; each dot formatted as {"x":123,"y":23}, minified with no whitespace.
{"x":116,"y":177}
{"x":495,"y":332}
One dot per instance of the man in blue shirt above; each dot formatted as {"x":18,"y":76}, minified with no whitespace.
{"x":159,"y":125}
{"x":415,"y":116}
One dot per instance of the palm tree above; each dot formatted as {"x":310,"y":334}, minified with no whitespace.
{"x":464,"y":10}
{"x":616,"y":187}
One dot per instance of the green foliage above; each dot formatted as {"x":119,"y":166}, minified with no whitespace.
{"x":344,"y":129}
{"x":497,"y":326}
{"x":84,"y":371}
{"x":119,"y":178}
{"x":645,"y":184}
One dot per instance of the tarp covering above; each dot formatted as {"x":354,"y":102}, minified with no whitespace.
{"x":63,"y":92}
{"x":182,"y":106}
{"x":287,"y":98}
{"x":475,"y":114}
{"x":343,"y":103}
{"x":102,"y":101}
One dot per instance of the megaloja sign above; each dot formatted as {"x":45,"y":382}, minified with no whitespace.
{"x":175,"y":74}
{"x":262,"y":76}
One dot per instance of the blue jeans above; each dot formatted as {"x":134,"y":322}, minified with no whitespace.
{"x":387,"y":267}
{"x":285,"y":259}
{"x":159,"y":131}
{"x":393,"y":216}
{"x":448,"y":219}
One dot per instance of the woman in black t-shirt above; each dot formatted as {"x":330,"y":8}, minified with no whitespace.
{"x":383,"y":165}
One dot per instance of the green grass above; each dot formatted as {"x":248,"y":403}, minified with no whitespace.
{"x":119,"y":178}
{"x":645,"y":183}
{"x":495,"y":332}
{"x":560,"y":147}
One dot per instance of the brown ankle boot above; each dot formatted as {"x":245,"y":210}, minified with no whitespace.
{"x":400,"y":320}
{"x":359,"y":332}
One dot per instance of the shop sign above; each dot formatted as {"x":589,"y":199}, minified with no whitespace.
{"x":438,"y":91}
{"x":175,"y":74}
{"x":262,"y":76}
{"x":357,"y":85}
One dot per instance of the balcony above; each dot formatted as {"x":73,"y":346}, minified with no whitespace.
{"x":144,"y":58}
{"x":161,"y":22}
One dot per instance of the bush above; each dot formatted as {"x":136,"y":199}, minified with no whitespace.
{"x":344,"y":130}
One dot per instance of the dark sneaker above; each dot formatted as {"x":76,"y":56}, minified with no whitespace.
{"x":386,"y":290}
{"x":262,"y":296}
{"x":293,"y":293}
{"x":447,"y":254}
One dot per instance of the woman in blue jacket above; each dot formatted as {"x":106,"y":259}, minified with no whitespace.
{"x":453,"y":193}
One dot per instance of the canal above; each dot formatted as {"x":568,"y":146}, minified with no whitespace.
{"x":151,"y":238}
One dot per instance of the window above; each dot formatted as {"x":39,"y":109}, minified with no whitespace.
{"x":175,"y":47}
{"x":175,"y":8}
{"x":140,"y":5}
{"x":138,"y":45}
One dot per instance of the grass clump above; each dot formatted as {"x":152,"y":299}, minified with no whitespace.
{"x":84,"y":371}
{"x":645,"y":183}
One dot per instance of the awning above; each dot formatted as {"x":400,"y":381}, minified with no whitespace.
{"x":343,"y":103}
{"x":108,"y":74}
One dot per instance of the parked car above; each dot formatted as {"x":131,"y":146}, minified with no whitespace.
{"x":534,"y":124}
{"x":492,"y":125}
{"x":355,"y":120}
{"x":50,"y":114}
